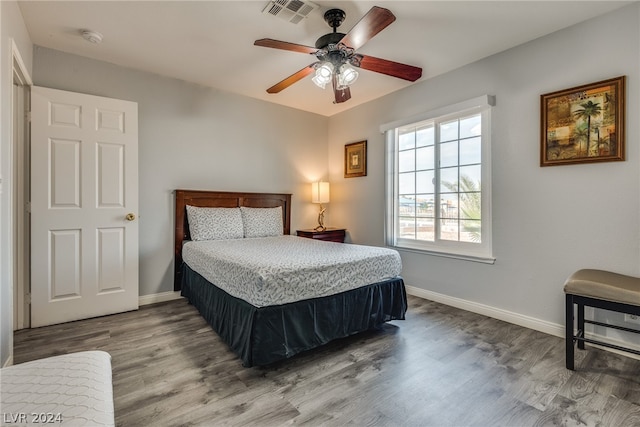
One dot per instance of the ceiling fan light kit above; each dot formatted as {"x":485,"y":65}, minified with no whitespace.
{"x":337,"y":57}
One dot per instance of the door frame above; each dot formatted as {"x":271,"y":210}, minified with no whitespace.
{"x":20,"y":194}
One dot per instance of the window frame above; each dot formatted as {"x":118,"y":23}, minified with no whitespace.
{"x":480,"y":252}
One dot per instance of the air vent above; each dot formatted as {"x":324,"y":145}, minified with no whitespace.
{"x":293,"y":11}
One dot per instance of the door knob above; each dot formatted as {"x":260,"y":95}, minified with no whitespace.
{"x":130,"y":216}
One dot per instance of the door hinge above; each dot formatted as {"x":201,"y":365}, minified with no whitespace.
{"x":27,"y":207}
{"x":27,"y":298}
{"x":27,"y":116}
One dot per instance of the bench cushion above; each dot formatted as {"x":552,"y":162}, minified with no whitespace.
{"x":604,"y":285}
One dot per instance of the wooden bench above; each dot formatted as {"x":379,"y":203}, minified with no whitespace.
{"x":599,"y":289}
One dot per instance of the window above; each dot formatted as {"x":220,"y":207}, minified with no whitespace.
{"x":439,"y":181}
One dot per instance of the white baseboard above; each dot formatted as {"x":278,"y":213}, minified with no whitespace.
{"x":496,"y":313}
{"x":161,"y":297}
{"x":550,"y":328}
{"x":9,"y":361}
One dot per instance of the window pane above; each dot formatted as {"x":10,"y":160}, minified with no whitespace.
{"x":407,"y":227}
{"x":425,"y":136}
{"x":470,"y":151}
{"x":424,"y":182}
{"x":470,"y":178}
{"x":471,"y":205}
{"x":449,"y":154}
{"x":407,"y":160}
{"x":449,"y":180}
{"x":425,"y":206}
{"x":406,"y":183}
{"x":406,"y":139}
{"x":424,"y":158}
{"x":470,"y":231}
{"x":449,"y":131}
{"x":407,"y":205}
{"x":425,"y":229}
{"x":449,"y":229}
{"x":448,"y":207}
{"x":471,"y":126}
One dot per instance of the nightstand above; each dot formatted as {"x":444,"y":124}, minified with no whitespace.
{"x":330,"y":234}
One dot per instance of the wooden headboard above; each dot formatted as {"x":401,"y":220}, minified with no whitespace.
{"x":220,"y":199}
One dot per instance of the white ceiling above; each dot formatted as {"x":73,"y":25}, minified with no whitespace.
{"x":211,"y":42}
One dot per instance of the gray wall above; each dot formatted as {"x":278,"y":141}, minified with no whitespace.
{"x":12,"y":29}
{"x":547,"y":222}
{"x":195,"y":137}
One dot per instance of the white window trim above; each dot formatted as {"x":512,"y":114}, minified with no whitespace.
{"x":459,"y":250}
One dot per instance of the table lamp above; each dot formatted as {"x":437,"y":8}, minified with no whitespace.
{"x":320,"y":194}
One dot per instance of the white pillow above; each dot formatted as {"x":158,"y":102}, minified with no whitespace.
{"x":262,"y":222}
{"x":215,"y":223}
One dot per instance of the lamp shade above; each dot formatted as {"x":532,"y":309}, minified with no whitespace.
{"x":320,"y":192}
{"x":347,"y":76}
{"x":323,"y":74}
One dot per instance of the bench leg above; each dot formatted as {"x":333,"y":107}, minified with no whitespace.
{"x":569,"y":357}
{"x":581,"y":331}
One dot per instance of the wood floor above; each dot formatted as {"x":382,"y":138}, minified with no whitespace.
{"x":440,"y":367}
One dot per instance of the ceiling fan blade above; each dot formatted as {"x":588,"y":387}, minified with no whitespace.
{"x":376,"y":20}
{"x":391,"y":68}
{"x":277,"y":44}
{"x":291,"y":79}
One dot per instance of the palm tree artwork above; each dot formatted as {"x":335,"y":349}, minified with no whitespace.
{"x":583,"y":124}
{"x":589,"y":110}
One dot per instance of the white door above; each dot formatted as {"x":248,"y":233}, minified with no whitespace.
{"x":84,"y":204}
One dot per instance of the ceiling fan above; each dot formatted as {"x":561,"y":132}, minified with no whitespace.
{"x":336,"y":54}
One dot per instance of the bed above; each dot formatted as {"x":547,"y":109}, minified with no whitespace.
{"x":271,"y":296}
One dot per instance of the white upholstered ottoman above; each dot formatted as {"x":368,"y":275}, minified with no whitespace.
{"x":69,"y":390}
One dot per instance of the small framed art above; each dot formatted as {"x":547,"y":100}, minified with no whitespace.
{"x":355,"y":159}
{"x":583,"y":124}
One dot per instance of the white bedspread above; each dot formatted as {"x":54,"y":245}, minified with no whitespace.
{"x":278,"y":270}
{"x":69,"y":390}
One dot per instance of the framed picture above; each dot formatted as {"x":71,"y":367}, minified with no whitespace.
{"x":583,"y":124}
{"x":355,"y":159}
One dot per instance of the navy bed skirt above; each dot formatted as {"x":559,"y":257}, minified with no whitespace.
{"x":264,"y":335}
